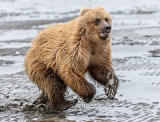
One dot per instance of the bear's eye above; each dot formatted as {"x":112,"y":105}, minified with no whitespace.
{"x":97,"y":21}
{"x":106,"y":19}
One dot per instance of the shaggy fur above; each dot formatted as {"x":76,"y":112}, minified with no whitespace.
{"x":61,"y":54}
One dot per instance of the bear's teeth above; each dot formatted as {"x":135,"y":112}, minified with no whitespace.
{"x":104,"y":35}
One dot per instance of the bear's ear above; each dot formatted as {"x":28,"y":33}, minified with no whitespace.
{"x":84,"y":10}
{"x":100,"y":8}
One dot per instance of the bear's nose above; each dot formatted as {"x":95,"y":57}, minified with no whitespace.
{"x":107,"y":28}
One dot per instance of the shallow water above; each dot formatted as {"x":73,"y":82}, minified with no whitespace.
{"x":136,"y":27}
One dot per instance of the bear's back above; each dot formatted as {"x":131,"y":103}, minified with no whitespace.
{"x":58,"y":32}
{"x":49,"y":43}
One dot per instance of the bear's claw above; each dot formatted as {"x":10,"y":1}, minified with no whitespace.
{"x":111,"y":86}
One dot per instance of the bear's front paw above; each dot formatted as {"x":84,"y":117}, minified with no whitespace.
{"x":87,"y":99}
{"x":112,"y":85}
{"x":90,"y":92}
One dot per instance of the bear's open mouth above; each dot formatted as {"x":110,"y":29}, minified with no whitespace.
{"x":104,"y":35}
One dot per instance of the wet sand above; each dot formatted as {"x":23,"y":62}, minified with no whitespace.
{"x":136,"y":59}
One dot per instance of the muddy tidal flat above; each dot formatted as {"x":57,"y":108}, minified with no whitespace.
{"x":135,"y":54}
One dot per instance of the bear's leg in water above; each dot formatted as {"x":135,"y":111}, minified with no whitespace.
{"x":55,"y":89}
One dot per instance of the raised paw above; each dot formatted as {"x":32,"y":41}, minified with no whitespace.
{"x":112,"y":85}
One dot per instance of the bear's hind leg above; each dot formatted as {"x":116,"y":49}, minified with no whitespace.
{"x":42,"y":99}
{"x":55,"y":89}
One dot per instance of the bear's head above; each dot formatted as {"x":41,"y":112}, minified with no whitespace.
{"x":96,"y":23}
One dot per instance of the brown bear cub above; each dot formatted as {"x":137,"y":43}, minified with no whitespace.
{"x":61,"y":54}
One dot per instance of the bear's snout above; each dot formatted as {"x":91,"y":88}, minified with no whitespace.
{"x":107,"y":28}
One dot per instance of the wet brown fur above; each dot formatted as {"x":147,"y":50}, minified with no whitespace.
{"x":61,"y":54}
